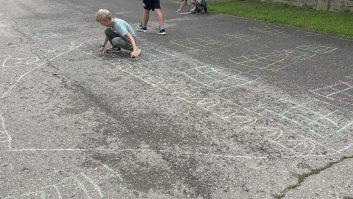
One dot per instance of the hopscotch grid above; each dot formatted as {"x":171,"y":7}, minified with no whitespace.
{"x":217,"y":71}
{"x":327,"y":118}
{"x":309,"y":110}
{"x":336,"y":91}
{"x":209,"y":85}
{"x":277,"y":57}
{"x":315,"y":121}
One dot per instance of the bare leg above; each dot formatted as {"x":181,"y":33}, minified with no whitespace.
{"x":182,"y":5}
{"x":160,"y":17}
{"x":146,"y":16}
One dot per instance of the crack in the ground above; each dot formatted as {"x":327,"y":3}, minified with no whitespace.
{"x":304,"y":176}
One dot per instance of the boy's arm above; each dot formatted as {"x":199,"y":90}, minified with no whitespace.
{"x":102,"y":46}
{"x":130,"y":38}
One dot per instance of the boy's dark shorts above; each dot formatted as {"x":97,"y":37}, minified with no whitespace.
{"x":151,"y":4}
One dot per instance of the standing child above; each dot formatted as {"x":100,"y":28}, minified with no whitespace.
{"x":118,"y":32}
{"x":153,"y":5}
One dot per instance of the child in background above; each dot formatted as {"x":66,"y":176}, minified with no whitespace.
{"x":118,"y":32}
{"x":153,"y":5}
{"x":198,"y":6}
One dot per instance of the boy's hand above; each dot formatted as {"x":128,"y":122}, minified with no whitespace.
{"x":135,"y":53}
{"x":102,"y":49}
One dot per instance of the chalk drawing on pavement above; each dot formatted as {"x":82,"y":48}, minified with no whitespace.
{"x":272,"y":61}
{"x":200,"y":43}
{"x":73,"y":46}
{"x":44,"y":35}
{"x":225,"y":109}
{"x":242,"y":37}
{"x":267,"y":30}
{"x":4,"y":135}
{"x":87,"y":184}
{"x":317,"y":49}
{"x":318,"y":117}
{"x":218,"y":77}
{"x":10,"y":61}
{"x":350,"y":77}
{"x":216,"y":105}
{"x":341,"y":91}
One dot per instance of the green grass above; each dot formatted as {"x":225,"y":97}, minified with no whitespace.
{"x":339,"y":23}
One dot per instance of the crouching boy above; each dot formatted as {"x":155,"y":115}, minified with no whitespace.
{"x":118,"y":32}
{"x":199,"y":7}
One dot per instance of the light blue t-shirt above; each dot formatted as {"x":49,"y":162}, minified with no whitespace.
{"x":121,"y":27}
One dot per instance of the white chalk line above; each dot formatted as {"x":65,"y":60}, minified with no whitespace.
{"x":176,"y":153}
{"x":3,"y":63}
{"x":9,"y":139}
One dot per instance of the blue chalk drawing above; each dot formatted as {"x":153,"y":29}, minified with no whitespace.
{"x":320,"y":118}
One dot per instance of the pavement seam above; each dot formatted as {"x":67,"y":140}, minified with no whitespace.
{"x":304,"y":176}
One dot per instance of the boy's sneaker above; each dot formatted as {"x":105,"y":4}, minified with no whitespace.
{"x":141,"y":28}
{"x":162,"y":32}
{"x":203,"y":11}
{"x":193,"y":10}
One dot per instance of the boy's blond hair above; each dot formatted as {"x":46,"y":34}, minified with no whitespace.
{"x":103,"y":14}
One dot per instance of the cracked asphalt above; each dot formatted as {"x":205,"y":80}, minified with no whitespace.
{"x":220,"y":107}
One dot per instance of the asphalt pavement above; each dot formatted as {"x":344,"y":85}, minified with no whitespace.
{"x":220,"y":107}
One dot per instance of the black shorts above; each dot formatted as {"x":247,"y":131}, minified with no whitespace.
{"x":151,"y":4}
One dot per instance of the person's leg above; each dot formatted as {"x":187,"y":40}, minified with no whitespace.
{"x":160,"y":18}
{"x":111,"y":35}
{"x":122,"y":43}
{"x":147,"y":6}
{"x":182,"y":5}
{"x":146,"y":16}
{"x":157,"y":8}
